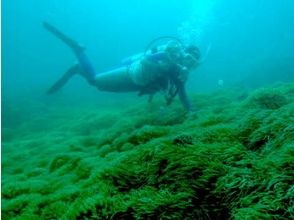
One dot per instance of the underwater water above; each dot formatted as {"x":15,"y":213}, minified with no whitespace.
{"x":86,"y":154}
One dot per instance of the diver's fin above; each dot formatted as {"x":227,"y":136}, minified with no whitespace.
{"x":67,"y":40}
{"x":63,"y":80}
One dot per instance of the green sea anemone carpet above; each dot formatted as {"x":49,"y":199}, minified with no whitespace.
{"x":232,"y":159}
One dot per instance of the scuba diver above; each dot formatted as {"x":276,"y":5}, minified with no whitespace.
{"x":163,"y":69}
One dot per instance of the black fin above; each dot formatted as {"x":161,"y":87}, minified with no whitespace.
{"x":67,"y":40}
{"x":63,"y":80}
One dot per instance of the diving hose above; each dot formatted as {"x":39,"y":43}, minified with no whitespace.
{"x":160,"y":38}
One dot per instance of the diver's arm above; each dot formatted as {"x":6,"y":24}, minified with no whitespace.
{"x":180,"y":81}
{"x":183,"y":96}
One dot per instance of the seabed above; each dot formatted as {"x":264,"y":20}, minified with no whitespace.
{"x":231,"y":159}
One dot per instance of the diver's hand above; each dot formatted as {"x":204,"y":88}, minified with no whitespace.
{"x":183,"y":73}
{"x":192,"y":115}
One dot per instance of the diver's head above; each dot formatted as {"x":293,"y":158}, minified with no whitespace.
{"x":191,"y":57}
{"x":174,"y":50}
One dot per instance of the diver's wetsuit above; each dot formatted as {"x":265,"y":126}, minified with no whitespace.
{"x":129,"y":77}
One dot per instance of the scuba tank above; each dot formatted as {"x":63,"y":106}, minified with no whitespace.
{"x":152,"y":51}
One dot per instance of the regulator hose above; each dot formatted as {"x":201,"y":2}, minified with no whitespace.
{"x":160,"y":38}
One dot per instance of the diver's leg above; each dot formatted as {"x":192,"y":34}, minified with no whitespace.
{"x":87,"y":69}
{"x":63,"y":80}
{"x":116,"y":80}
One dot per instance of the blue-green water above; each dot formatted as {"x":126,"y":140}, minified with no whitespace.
{"x":82,"y":153}
{"x":245,"y":37}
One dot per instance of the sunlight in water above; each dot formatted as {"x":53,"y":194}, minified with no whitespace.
{"x":202,"y":17}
